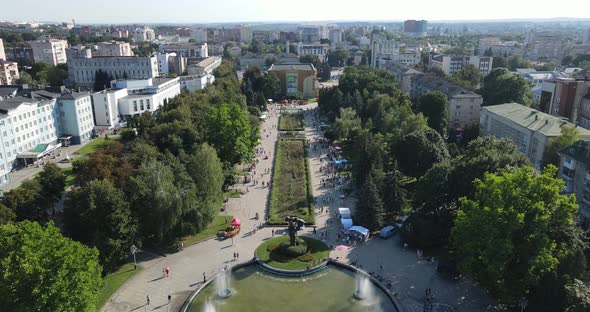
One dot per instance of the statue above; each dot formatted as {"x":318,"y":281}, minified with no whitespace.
{"x":294,"y":224}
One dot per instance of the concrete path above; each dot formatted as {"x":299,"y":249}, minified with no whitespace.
{"x":409,"y":276}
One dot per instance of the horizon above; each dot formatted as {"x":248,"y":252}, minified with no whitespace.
{"x":267,"y":11}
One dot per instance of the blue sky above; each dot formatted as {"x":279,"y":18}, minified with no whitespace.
{"x":209,"y":11}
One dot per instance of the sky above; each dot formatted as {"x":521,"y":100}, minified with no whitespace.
{"x":221,"y":11}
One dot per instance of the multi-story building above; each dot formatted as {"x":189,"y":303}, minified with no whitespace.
{"x":586,"y":36}
{"x":2,"y":54}
{"x":263,"y":36}
{"x":545,"y":46}
{"x":404,"y":74}
{"x":451,"y":64}
{"x":8,"y":72}
{"x":144,"y":34}
{"x":407,"y":58}
{"x":486,"y":43}
{"x":464,"y":105}
{"x":131,"y":97}
{"x":311,"y":34}
{"x":530,"y":130}
{"x":321,"y":50}
{"x":22,"y":55}
{"x":565,"y":96}
{"x":289,"y":36}
{"x":185,"y":49}
{"x":414,"y":28}
{"x":34,"y":125}
{"x":113,"y":48}
{"x":246,"y":34}
{"x":296,"y":78}
{"x":204,"y":67}
{"x":382,"y":47}
{"x":336,"y":36}
{"x":195,"y":83}
{"x":199,"y":35}
{"x":83,"y":71}
{"x":50,"y":51}
{"x":574,"y":170}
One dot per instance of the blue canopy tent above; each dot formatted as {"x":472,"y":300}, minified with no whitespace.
{"x":360,"y":230}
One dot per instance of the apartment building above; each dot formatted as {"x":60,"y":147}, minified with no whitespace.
{"x":35,"y":124}
{"x":310,"y":34}
{"x":414,"y":28}
{"x":530,"y":130}
{"x":144,"y":34}
{"x":320,"y":50}
{"x":204,"y":67}
{"x":113,"y":48}
{"x":8,"y":72}
{"x":451,"y":64}
{"x":82,"y":71}
{"x":2,"y":53}
{"x":185,"y":50}
{"x":574,"y":170}
{"x":464,"y":105}
{"x":50,"y":51}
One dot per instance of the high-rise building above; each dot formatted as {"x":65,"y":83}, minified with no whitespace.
{"x":2,"y":54}
{"x":414,"y":28}
{"x":245,"y":34}
{"x":311,"y":34}
{"x":199,"y":35}
{"x":382,"y":47}
{"x":8,"y":72}
{"x":336,"y":36}
{"x":50,"y":51}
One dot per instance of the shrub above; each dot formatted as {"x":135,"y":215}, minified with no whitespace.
{"x":308,"y":256}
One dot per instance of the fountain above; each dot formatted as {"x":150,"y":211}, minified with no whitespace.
{"x":363,"y":285}
{"x":222,"y":282}
{"x":209,"y":307}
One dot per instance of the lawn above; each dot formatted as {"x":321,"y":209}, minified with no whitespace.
{"x":70,"y":176}
{"x":113,"y":281}
{"x":232,"y":194}
{"x":291,"y":122}
{"x":291,"y":191}
{"x":90,"y":148}
{"x":218,"y":224}
{"x":316,"y":248}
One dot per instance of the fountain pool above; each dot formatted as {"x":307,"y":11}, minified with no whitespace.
{"x":331,"y":289}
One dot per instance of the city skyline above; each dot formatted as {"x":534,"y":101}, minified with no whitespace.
{"x":234,"y":11}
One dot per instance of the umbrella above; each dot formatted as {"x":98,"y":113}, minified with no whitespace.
{"x":342,"y":247}
{"x":235,"y":221}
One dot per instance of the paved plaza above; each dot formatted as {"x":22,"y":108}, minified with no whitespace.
{"x":410,"y":277}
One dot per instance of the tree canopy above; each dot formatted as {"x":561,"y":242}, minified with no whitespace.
{"x":501,"y":86}
{"x":435,"y":108}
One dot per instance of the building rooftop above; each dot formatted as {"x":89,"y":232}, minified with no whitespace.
{"x":435,"y":83}
{"x":12,"y":103}
{"x":74,"y":95}
{"x":533,"y":119}
{"x":299,"y":66}
{"x":8,"y":91}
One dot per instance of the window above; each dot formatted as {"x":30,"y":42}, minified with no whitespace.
{"x":141,"y":104}
{"x":135,"y":106}
{"x":147,"y":103}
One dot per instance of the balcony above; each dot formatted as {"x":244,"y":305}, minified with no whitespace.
{"x":569,"y":184}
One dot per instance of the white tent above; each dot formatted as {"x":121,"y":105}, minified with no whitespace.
{"x":346,"y":223}
{"x":344,"y":213}
{"x":361,"y":230}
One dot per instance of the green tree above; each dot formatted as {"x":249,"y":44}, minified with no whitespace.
{"x":56,"y":75}
{"x":503,"y":234}
{"x":230,"y":132}
{"x":419,"y":151}
{"x":501,"y":86}
{"x":435,"y":108}
{"x":6,"y":214}
{"x":395,"y":197}
{"x":499,"y":62}
{"x":24,"y":200}
{"x":98,"y":215}
{"x":469,"y":77}
{"x":53,"y":182}
{"x":44,"y":271}
{"x":370,"y":206}
{"x":578,"y":297}
{"x":347,"y":126}
{"x":206,"y":170}
{"x":568,"y":135}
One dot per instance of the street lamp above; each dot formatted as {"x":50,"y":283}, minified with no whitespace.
{"x":133,"y":251}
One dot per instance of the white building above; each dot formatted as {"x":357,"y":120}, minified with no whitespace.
{"x":204,"y":67}
{"x":145,"y":95}
{"x":144,"y":34}
{"x":113,"y":48}
{"x":83,"y":71}
{"x":336,"y":36}
{"x":163,"y":62}
{"x":451,"y":64}
{"x":50,"y":51}
{"x":321,"y":50}
{"x":33,"y":126}
{"x":382,"y":47}
{"x":2,"y":54}
{"x":106,"y":108}
{"x":195,"y":83}
{"x":486,"y":43}
{"x":186,"y":50}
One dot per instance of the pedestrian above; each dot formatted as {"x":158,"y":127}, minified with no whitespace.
{"x":381,"y":266}
{"x":238,"y":255}
{"x":167,"y":272}
{"x":273,"y":232}
{"x":147,"y":298}
{"x":169,"y":299}
{"x":234,"y":256}
{"x":204,"y":278}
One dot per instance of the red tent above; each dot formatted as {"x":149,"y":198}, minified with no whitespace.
{"x":235,"y":222}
